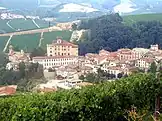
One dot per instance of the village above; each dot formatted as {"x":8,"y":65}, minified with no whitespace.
{"x":63,"y":67}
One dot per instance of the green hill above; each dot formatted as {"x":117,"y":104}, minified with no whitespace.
{"x":130,"y":19}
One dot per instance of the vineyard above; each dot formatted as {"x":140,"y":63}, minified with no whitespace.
{"x":130,"y":19}
{"x":108,"y":101}
{"x":30,"y":41}
{"x":26,"y":42}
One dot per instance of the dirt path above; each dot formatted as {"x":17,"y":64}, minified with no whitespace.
{"x":31,"y":31}
{"x":41,"y":38}
{"x":5,"y":48}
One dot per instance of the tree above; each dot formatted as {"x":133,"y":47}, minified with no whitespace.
{"x":120,"y":75}
{"x":82,"y":77}
{"x":38,"y":52}
{"x":3,"y":59}
{"x":22,"y":69}
{"x":153,"y":68}
{"x":16,"y":48}
{"x":74,"y":26}
{"x":91,"y":77}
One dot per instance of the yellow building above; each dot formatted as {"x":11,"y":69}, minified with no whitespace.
{"x":61,"y":47}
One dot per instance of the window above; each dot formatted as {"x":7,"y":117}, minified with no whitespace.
{"x":50,"y":51}
{"x":68,"y":53}
{"x":62,"y":53}
{"x":50,"y":55}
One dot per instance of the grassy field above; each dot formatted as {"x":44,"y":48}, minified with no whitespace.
{"x":130,"y":19}
{"x":26,"y":42}
{"x":50,"y":36}
{"x":4,"y":28}
{"x":3,"y":41}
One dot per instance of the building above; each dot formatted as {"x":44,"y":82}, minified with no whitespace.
{"x":144,"y":63}
{"x":55,"y":61}
{"x":61,"y":47}
{"x":15,"y":56}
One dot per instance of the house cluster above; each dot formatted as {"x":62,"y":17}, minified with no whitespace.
{"x":64,"y":66}
{"x":15,"y":57}
{"x":63,"y":57}
{"x":8,"y":15}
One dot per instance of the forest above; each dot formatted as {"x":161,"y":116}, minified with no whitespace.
{"x":109,"y":32}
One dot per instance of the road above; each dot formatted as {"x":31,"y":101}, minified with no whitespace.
{"x":35,"y":23}
{"x":5,"y":48}
{"x":31,"y":31}
{"x":41,"y":38}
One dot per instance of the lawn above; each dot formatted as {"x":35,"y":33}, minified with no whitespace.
{"x":50,"y":36}
{"x":4,"y":28}
{"x":26,"y":42}
{"x":130,"y":19}
{"x":3,"y":41}
{"x":22,"y":24}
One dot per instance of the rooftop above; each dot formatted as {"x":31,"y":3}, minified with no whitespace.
{"x":63,"y":43}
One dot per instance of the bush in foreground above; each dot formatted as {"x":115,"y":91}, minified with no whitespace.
{"x":104,"y":102}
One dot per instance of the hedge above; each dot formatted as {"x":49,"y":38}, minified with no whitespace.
{"x":104,"y":102}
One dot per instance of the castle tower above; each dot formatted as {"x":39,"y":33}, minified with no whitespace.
{"x":154,"y":47}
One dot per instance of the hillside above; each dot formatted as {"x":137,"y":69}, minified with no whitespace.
{"x":28,"y":42}
{"x":14,"y":25}
{"x":130,"y":19}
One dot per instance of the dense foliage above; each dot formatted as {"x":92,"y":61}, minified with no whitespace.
{"x":109,"y":32}
{"x":22,"y":77}
{"x":104,"y":102}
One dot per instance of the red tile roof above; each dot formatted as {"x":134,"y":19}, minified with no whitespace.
{"x":8,"y":90}
{"x":63,"y":43}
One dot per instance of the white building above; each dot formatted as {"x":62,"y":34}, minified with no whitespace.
{"x":144,"y":63}
{"x":55,"y":61}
